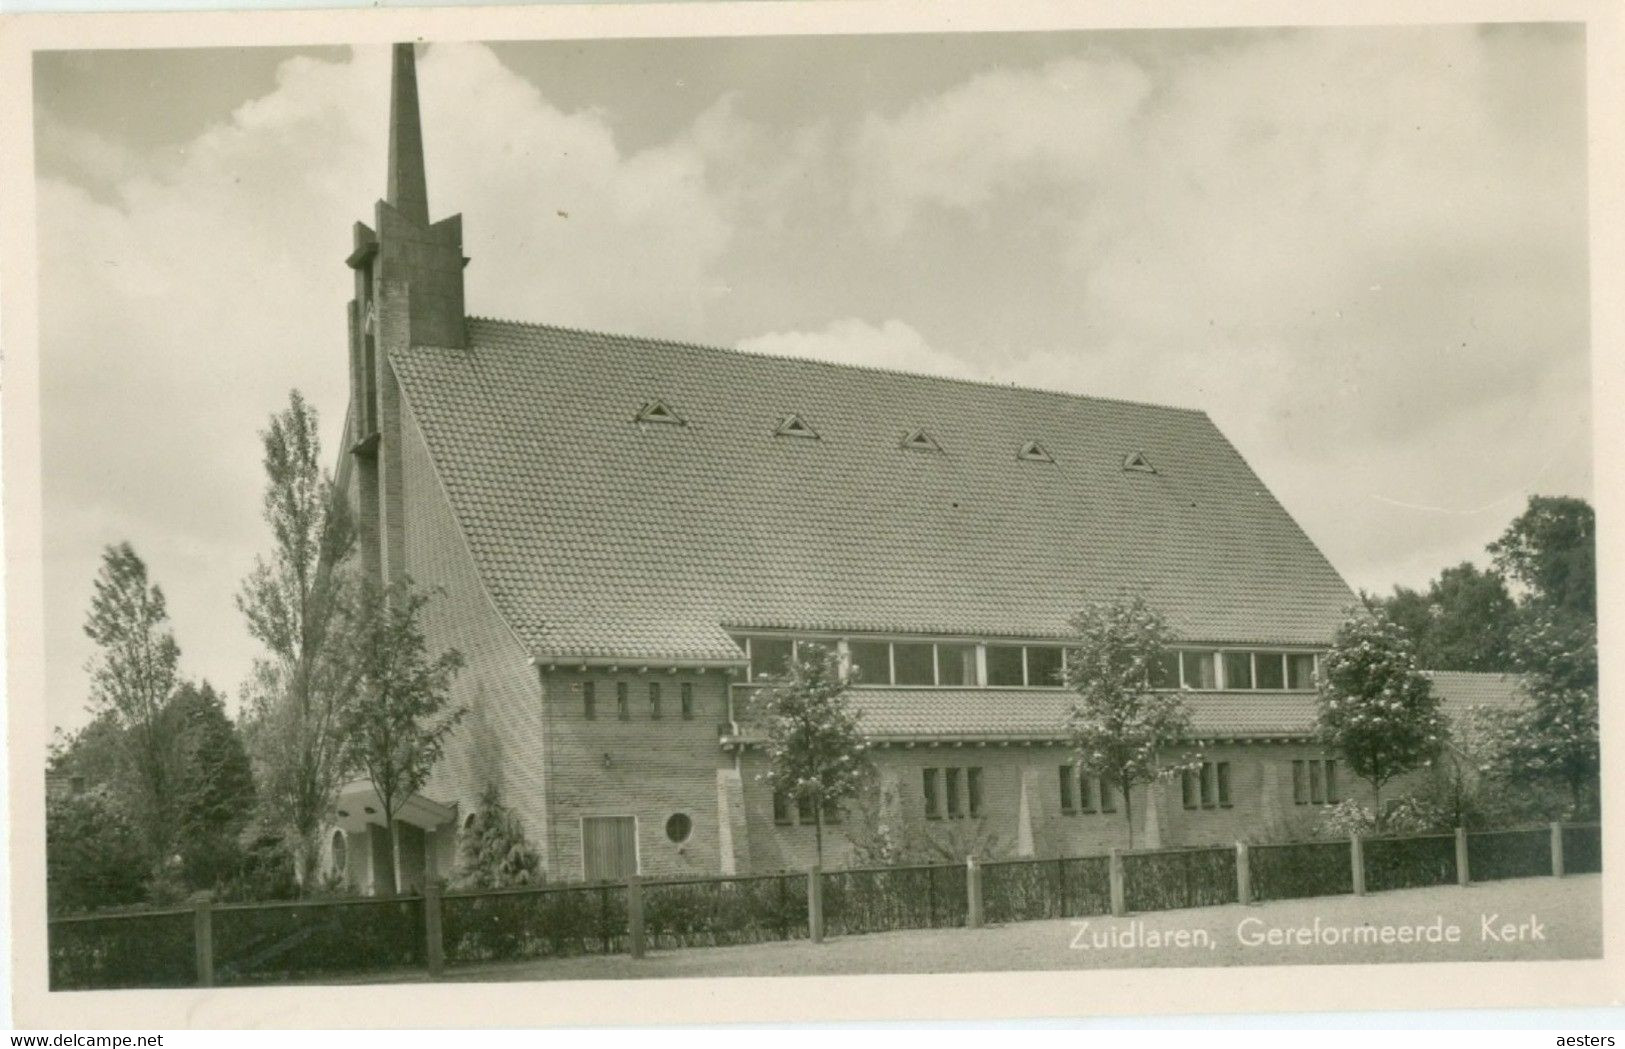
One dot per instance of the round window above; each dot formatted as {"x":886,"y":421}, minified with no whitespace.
{"x":341,"y":852}
{"x":679,"y":827}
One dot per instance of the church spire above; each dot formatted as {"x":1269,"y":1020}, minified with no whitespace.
{"x":407,"y":189}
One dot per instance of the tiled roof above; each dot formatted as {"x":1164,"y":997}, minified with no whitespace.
{"x":951,"y":714}
{"x":600,"y":536}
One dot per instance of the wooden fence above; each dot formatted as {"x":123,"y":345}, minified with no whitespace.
{"x":209,"y":944}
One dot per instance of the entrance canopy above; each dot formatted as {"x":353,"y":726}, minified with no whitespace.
{"x":359,"y":805}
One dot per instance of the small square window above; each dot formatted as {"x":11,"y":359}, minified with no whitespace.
{"x":1165,"y":671}
{"x":1043,"y":666}
{"x":769,"y":657}
{"x":1300,"y":670}
{"x":1238,"y":670}
{"x":956,"y":664}
{"x":1199,"y":672}
{"x":870,"y":661}
{"x":1004,"y":666}
{"x":1270,"y":668}
{"x":913,"y":663}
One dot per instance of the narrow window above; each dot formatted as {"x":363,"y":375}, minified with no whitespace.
{"x":1043,"y":666}
{"x":781,"y":808}
{"x":1199,"y":670}
{"x":1209,"y":787}
{"x":685,"y":694}
{"x":589,"y":699}
{"x":870,"y":662}
{"x":912,"y":663}
{"x":1188,"y":788}
{"x":1317,"y":783}
{"x":804,"y":810}
{"x":1224,"y":784}
{"x":654,"y":700}
{"x":1331,"y":783}
{"x":1004,"y":666}
{"x":956,"y":664}
{"x":623,"y":707}
{"x":950,"y":788}
{"x":1086,"y":793}
{"x":973,"y":790}
{"x":1300,"y":784}
{"x":933,"y":802}
{"x":832,"y":811}
{"x":1300,"y":670}
{"x":1108,"y":796}
{"x":1238,"y":670}
{"x":1270,"y":668}
{"x":1068,"y":797}
{"x":1165,"y":671}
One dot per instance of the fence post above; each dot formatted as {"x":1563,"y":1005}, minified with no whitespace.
{"x":203,"y":939}
{"x":1244,"y":875}
{"x":634,"y":913}
{"x":434,"y":945}
{"x":1357,"y":862}
{"x":973,"y":893}
{"x":815,"y":903}
{"x":1115,"y":869}
{"x":1557,"y":850}
{"x":1463,"y":875}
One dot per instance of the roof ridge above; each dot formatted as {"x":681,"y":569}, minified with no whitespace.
{"x":961,"y":380}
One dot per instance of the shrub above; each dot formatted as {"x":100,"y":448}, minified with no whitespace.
{"x":494,"y":852}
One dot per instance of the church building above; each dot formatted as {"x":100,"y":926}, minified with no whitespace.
{"x":629,"y":534}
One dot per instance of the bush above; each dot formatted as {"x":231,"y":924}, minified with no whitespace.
{"x":93,"y":854}
{"x":494,"y":852}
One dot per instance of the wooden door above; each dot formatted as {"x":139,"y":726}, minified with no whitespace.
{"x":609,"y":847}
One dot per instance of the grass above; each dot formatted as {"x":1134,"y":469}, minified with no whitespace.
{"x":1568,"y":913}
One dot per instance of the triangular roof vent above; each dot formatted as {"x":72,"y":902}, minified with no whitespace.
{"x":658,"y":411}
{"x":920,"y":441}
{"x":1137,"y":462}
{"x":1034,"y":452}
{"x":795,"y":426}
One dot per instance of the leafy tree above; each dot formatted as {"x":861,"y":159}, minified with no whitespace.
{"x":131,"y":678}
{"x":1550,"y":551}
{"x":815,"y":750}
{"x":89,"y":840}
{"x":1462,"y":621}
{"x":215,"y":795}
{"x":494,"y":852}
{"x":1377,"y":709}
{"x":395,"y":727}
{"x":298,"y":602}
{"x":1121,"y":729}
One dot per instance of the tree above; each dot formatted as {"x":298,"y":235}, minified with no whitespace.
{"x":1463,"y":621}
{"x":215,"y":788}
{"x":131,"y":678}
{"x":1120,"y":728}
{"x":1377,"y":710}
{"x":89,"y":839}
{"x":494,"y":852}
{"x":395,"y":727}
{"x":299,"y":605}
{"x":815,"y":751}
{"x":1550,"y":552}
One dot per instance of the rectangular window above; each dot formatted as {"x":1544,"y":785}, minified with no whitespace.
{"x":1270,"y":668}
{"x":654,"y":700}
{"x":781,"y":808}
{"x":956,"y":664}
{"x":832,"y":812}
{"x":912,"y":663}
{"x":685,"y":695}
{"x":1165,"y":671}
{"x":1108,"y":796}
{"x":1317,"y":783}
{"x":1300,"y":783}
{"x":973,"y":791}
{"x":1004,"y":666}
{"x":1198,"y":668}
{"x":1331,"y":783}
{"x":1238,"y":670}
{"x":623,"y":706}
{"x":1224,"y":784}
{"x":1188,"y":788}
{"x":804,"y":810}
{"x":1044,"y":666}
{"x":589,"y":699}
{"x":1300,"y":670}
{"x":950,"y":790}
{"x":769,"y":657}
{"x":1086,"y":793}
{"x":1069,"y":776}
{"x":933,"y":800}
{"x":1210,"y":788}
{"x":870,"y":662}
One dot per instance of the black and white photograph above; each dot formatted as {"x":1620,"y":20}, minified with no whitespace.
{"x":517,"y":511}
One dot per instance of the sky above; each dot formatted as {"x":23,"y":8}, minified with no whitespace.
{"x":1363,"y":252}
